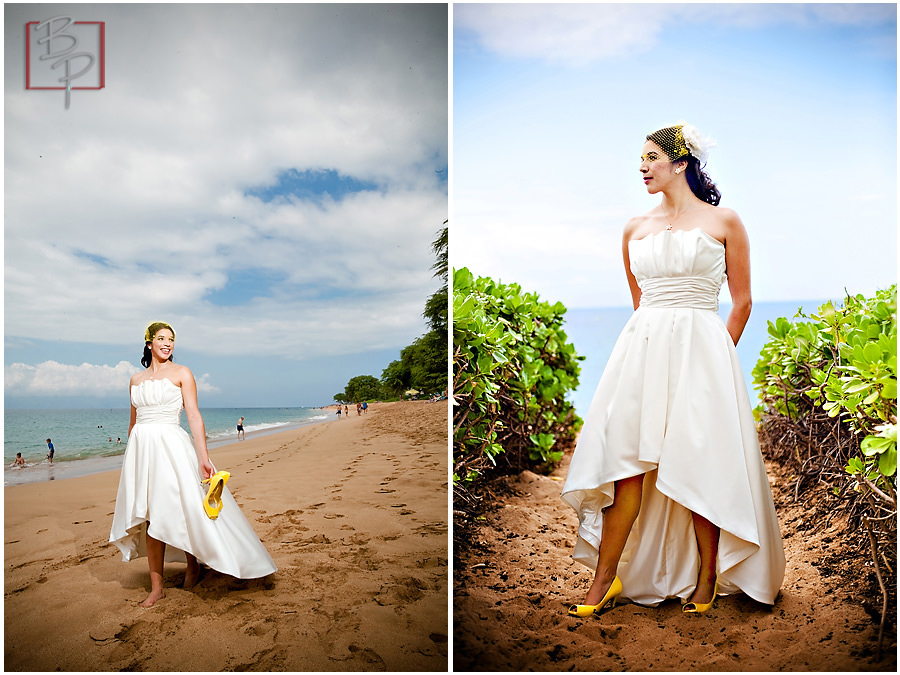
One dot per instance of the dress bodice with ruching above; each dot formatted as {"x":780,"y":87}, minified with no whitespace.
{"x":157,"y":402}
{"x":678,"y":268}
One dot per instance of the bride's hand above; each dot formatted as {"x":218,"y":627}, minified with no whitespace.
{"x":206,"y":469}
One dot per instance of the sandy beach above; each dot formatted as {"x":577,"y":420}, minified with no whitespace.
{"x":353,"y":511}
{"x":513,"y":586}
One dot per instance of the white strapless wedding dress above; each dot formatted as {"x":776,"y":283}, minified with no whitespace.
{"x":160,"y":483}
{"x":672,"y":404}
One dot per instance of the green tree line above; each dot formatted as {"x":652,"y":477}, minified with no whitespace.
{"x":422,"y":366}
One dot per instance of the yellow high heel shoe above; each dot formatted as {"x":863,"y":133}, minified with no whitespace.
{"x":615,"y":589}
{"x":212,"y":503}
{"x":698,"y":607}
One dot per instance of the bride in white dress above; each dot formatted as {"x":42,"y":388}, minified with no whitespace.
{"x":159,"y":505}
{"x":667,"y":477}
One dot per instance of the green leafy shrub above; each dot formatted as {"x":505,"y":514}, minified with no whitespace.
{"x":842,"y":362}
{"x":828,"y":386}
{"x":512,"y":370}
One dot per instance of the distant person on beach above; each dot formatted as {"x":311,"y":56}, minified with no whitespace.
{"x":358,"y":408}
{"x":240,"y":429}
{"x":19,"y":460}
{"x":346,"y":412}
{"x":161,"y":473}
{"x":365,"y":407}
{"x":50,"y":454}
{"x":668,"y":460}
{"x":339,"y":411}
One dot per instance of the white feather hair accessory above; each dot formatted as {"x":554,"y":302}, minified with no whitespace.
{"x":696,"y":143}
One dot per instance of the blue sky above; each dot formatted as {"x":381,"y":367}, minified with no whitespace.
{"x":266,"y":177}
{"x":316,"y":185}
{"x":551,"y":104}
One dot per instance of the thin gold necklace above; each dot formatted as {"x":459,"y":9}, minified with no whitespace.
{"x":672,"y":222}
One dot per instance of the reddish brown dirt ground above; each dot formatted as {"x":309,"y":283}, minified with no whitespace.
{"x":514,"y":577}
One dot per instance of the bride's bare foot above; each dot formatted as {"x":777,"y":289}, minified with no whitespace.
{"x":153,"y":598}
{"x":191,"y":575}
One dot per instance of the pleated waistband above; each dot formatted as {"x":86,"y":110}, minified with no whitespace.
{"x":683,"y":292}
{"x":152,"y":416}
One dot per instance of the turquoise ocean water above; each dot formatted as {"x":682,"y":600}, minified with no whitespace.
{"x":594,"y":333}
{"x":85,"y":441}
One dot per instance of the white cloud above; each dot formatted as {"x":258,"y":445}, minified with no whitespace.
{"x":204,"y":385}
{"x":58,"y":379}
{"x":369,"y":254}
{"x":88,"y":380}
{"x":583,"y":33}
{"x":132,"y":204}
{"x":575,"y":34}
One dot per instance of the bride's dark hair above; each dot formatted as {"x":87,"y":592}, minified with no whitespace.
{"x":699,"y":181}
{"x":152,"y":330}
{"x":147,"y":358}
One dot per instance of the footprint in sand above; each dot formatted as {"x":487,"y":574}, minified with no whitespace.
{"x":430,"y":529}
{"x":355,"y":540}
{"x":429,"y":563}
{"x":404,"y":591}
{"x":369,"y":656}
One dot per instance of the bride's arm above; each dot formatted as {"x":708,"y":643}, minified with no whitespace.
{"x":632,"y":282}
{"x":133,"y":417}
{"x":195,"y":421}
{"x":737,"y":267}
